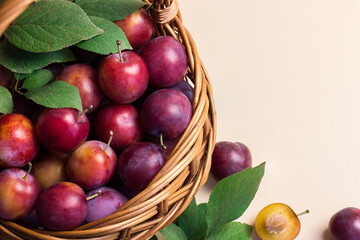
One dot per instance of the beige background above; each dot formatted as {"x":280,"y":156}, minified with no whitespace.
{"x":286,"y":83}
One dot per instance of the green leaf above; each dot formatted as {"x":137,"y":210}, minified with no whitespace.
{"x":233,"y":231}
{"x":37,"y":79}
{"x":57,"y":94}
{"x":20,"y":61}
{"x":6,"y":103}
{"x":110,"y":9}
{"x":106,"y":42}
{"x":231,"y":197}
{"x":192,"y":221}
{"x":173,"y":232}
{"x":51,"y":25}
{"x":19,"y":76}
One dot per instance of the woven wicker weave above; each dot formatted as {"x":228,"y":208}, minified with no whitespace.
{"x":184,"y":173}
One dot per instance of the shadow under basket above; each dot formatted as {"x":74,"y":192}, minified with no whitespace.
{"x":186,"y":170}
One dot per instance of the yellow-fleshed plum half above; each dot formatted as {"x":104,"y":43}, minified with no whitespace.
{"x":62,"y":206}
{"x":277,"y":221}
{"x":18,"y":193}
{"x":18,"y":144}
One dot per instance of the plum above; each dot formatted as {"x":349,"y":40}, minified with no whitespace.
{"x":138,"y":28}
{"x":62,"y":206}
{"x":229,"y":158}
{"x":62,"y":130}
{"x":166,"y":60}
{"x":123,"y":120}
{"x":18,"y":144}
{"x":138,"y":164}
{"x":91,"y":165}
{"x":345,"y":224}
{"x":106,"y":203}
{"x":85,"y":78}
{"x":166,"y":112}
{"x":123,"y":77}
{"x":186,"y":89}
{"x":19,"y":191}
{"x":49,"y":168}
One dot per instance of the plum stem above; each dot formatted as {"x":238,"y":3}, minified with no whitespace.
{"x":118,"y":42}
{"x":162,"y":141}
{"x":302,"y":213}
{"x":110,"y":139}
{"x":94,"y":196}
{"x":28,"y":171}
{"x":85,"y":111}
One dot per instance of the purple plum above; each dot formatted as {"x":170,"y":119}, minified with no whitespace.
{"x":229,"y":158}
{"x":62,"y":206}
{"x":106,"y":203}
{"x":138,"y":164}
{"x":166,"y":112}
{"x":345,"y":224}
{"x":166,"y":60}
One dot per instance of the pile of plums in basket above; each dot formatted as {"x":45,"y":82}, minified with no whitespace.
{"x":63,"y":167}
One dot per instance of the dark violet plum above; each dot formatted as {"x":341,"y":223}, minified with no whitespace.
{"x":166,"y":60}
{"x":18,"y":193}
{"x":186,"y":89}
{"x":166,"y":111}
{"x":55,"y":69}
{"x":5,"y":76}
{"x":23,"y":105}
{"x":123,"y":120}
{"x":62,"y":130}
{"x":62,"y":206}
{"x":87,"y":57}
{"x":138,"y":164}
{"x":345,"y":224}
{"x":30,"y":220}
{"x":85,"y":78}
{"x":169,"y":143}
{"x":108,"y":201}
{"x":229,"y":158}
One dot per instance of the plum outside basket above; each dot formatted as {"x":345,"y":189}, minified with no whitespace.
{"x":186,"y":170}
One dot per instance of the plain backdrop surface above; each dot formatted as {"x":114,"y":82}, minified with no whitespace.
{"x":286,"y":78}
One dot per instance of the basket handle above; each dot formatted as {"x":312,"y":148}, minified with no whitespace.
{"x":164,"y":11}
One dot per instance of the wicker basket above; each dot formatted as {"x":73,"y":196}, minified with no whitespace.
{"x":184,"y":173}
